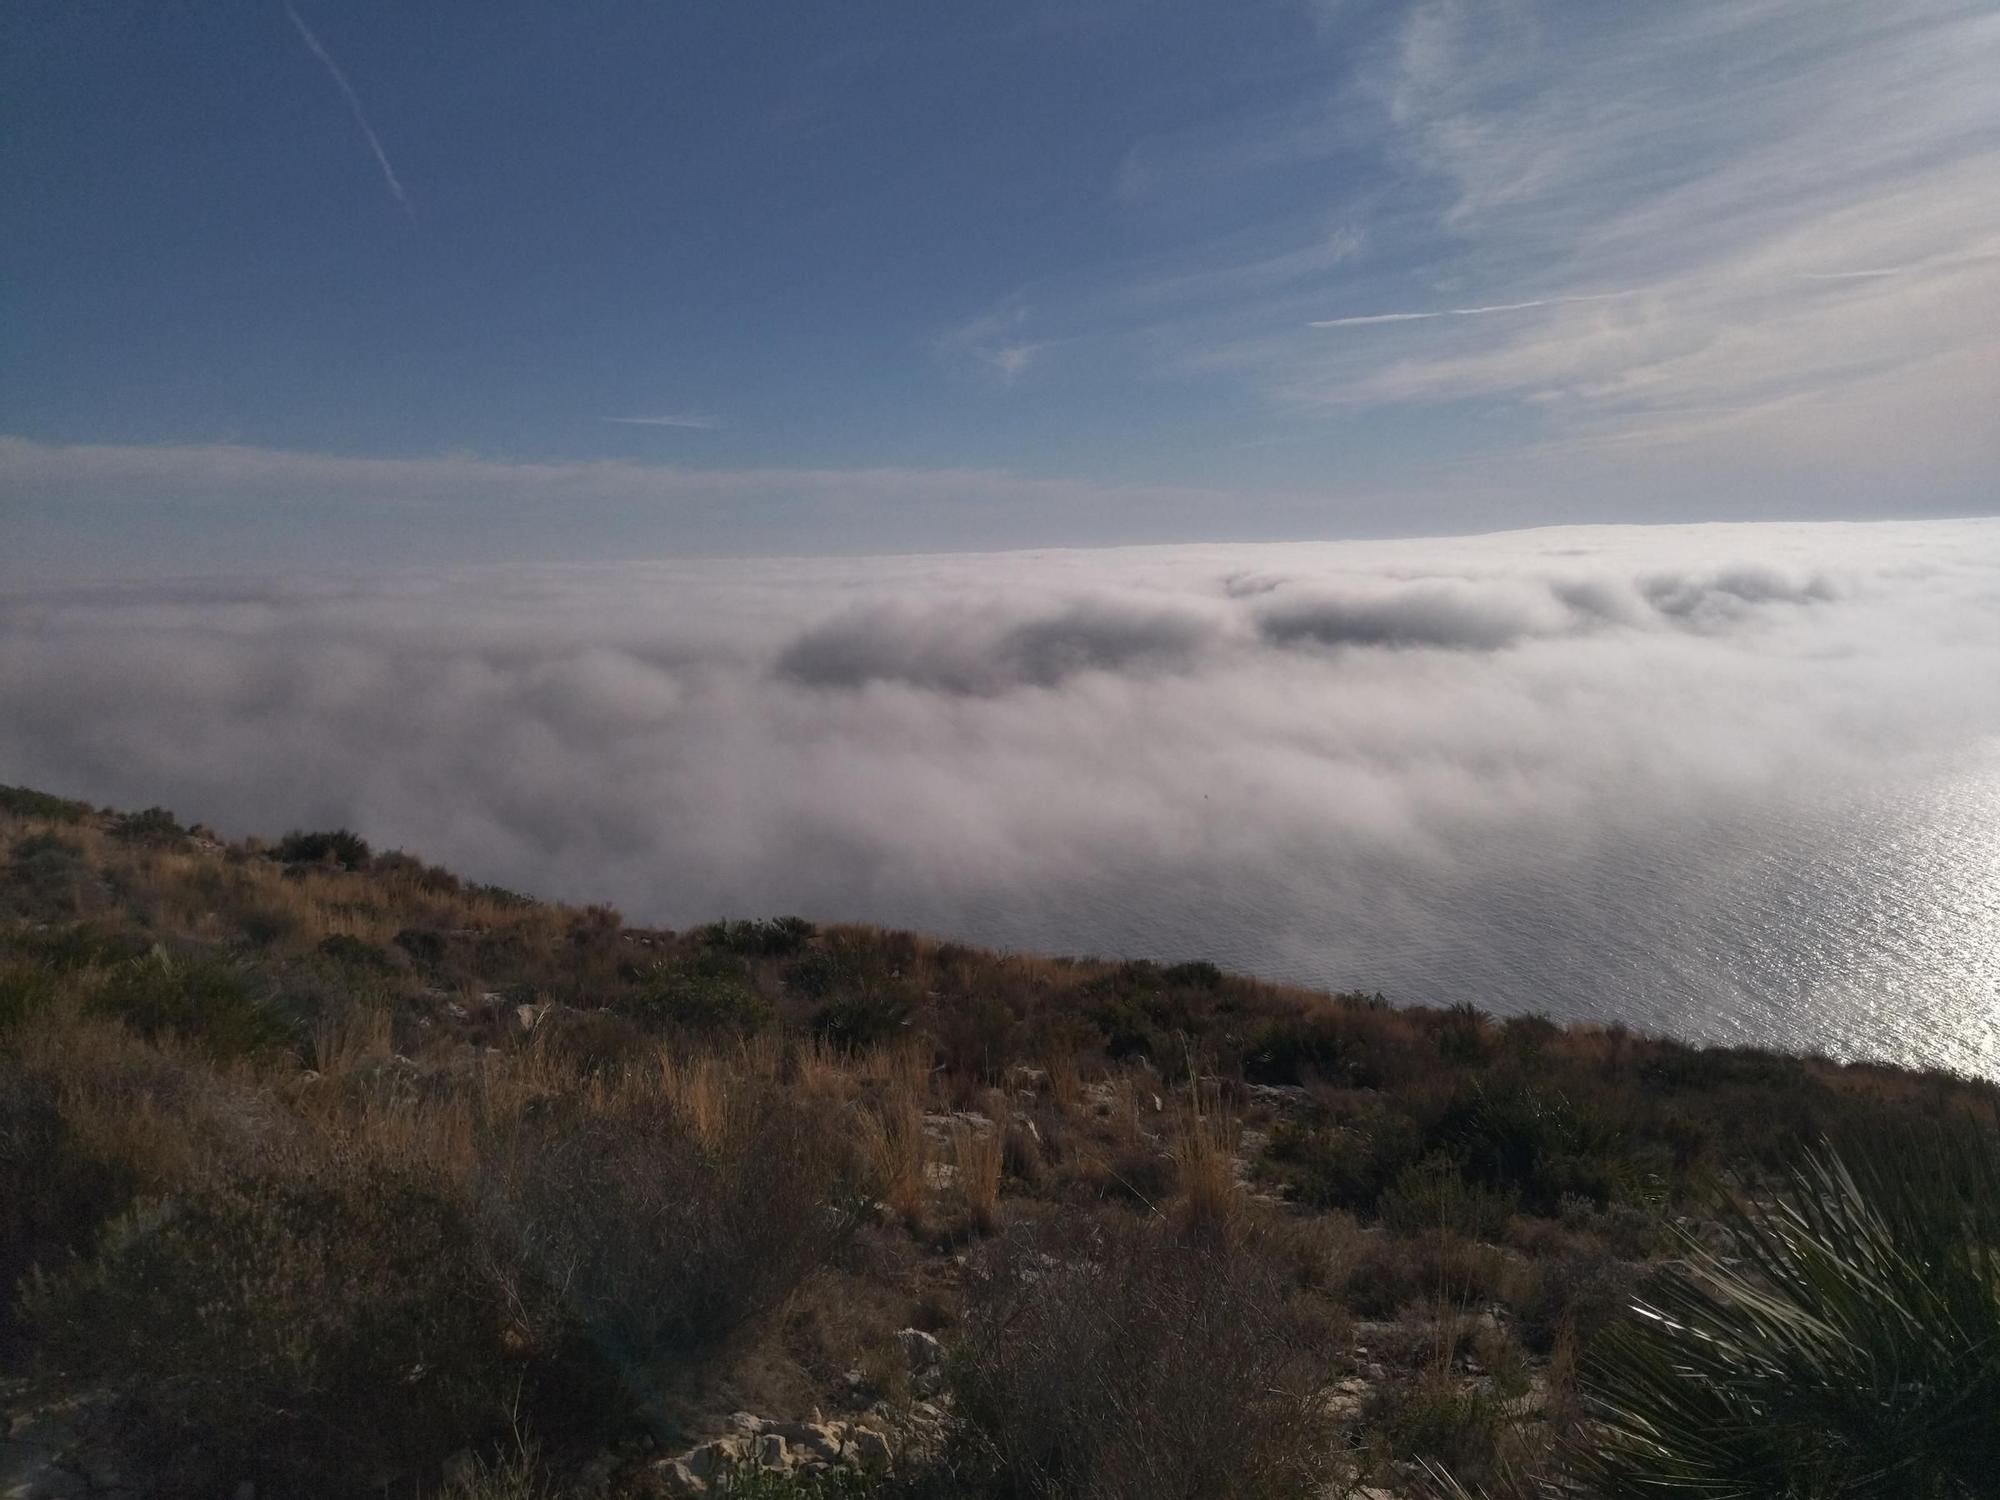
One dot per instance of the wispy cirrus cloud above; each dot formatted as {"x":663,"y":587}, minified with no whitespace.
{"x":1799,"y":202}
{"x":693,"y":420}
{"x":1361,"y":320}
{"x":993,"y":344}
{"x":318,"y":49}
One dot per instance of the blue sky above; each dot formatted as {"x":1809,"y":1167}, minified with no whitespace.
{"x":374,"y":283}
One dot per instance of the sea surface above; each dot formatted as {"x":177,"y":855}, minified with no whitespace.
{"x":1859,"y":925}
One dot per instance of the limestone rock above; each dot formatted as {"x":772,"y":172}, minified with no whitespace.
{"x":871,"y":1448}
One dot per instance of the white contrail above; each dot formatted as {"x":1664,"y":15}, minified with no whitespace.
{"x":354,"y":104}
{"x":673,"y":419}
{"x":1462,"y":312}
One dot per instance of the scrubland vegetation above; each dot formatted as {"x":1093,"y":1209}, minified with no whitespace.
{"x":324,"y":1172}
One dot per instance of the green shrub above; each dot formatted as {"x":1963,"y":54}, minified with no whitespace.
{"x":348,"y":850}
{"x":1432,"y":1197}
{"x":312,"y":1329}
{"x":1325,"y":1046}
{"x":1844,"y":1340}
{"x":517,"y":1477}
{"x":710,"y":995}
{"x":1348,"y":1166}
{"x":72,"y":946}
{"x":425,"y":945}
{"x":26,"y":802}
{"x":204,"y":1001}
{"x":1195,"y":974}
{"x":860,"y":1021}
{"x":1582,"y":1290}
{"x":500,"y":895}
{"x":1528,"y":1034}
{"x":814,"y":974}
{"x":434,"y":879}
{"x":1537,"y":1144}
{"x":668,"y":1245}
{"x":54,"y":1196}
{"x":774,"y":937}
{"x":1456,"y":1426}
{"x":351,"y":952}
{"x":748,"y":1483}
{"x":1102,"y":1358}
{"x":46,"y":877}
{"x":24,"y":989}
{"x":154,"y":825}
{"x":1461,"y":1035}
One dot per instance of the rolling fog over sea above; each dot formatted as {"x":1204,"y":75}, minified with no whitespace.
{"x":1733,"y":782}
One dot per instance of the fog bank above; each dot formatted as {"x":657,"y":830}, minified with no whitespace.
{"x":1735,"y":781}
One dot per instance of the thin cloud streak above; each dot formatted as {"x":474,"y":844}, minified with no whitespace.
{"x":1364,"y":319}
{"x":689,"y":419}
{"x":360,"y":116}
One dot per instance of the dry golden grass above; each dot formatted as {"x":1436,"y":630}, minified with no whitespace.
{"x":896,"y":1151}
{"x":1065,"y":1079}
{"x":698,"y":1091}
{"x":901,"y":1071}
{"x":156,"y":1109}
{"x":975,"y":1158}
{"x":1208,"y":1197}
{"x":359,"y":1034}
{"x":821,"y":1071}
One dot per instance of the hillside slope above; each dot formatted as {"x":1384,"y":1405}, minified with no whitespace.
{"x":325,"y":1172}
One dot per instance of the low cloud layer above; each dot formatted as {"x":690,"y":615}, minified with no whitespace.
{"x":1630,"y":772}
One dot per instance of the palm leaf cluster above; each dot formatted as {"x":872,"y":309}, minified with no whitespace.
{"x":1841,"y":1341}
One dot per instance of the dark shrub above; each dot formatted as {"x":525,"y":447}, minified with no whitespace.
{"x":1432,"y":1197}
{"x":79,"y":945}
{"x":1583,"y":1290}
{"x":434,"y":879}
{"x":975,"y":1035}
{"x":831,"y":1483}
{"x":815,"y":974}
{"x":24,"y":988}
{"x":348,"y":850}
{"x":1325,"y":1046}
{"x":1540,"y":1145}
{"x":1102,"y":1358}
{"x":155,"y":825}
{"x":710,"y":995}
{"x":668,"y":1245}
{"x":1528,"y":1034}
{"x":351,"y":952}
{"x":501,"y":896}
{"x":596,"y":1042}
{"x":774,"y":937}
{"x":263,"y":926}
{"x":1461,"y":1034}
{"x":1128,"y":1031}
{"x":54,"y":1196}
{"x":1383,"y":1283}
{"x":1457,"y":1427}
{"x":1348,"y":1166}
{"x":47,"y":877}
{"x":1195,"y":974}
{"x":26,"y":802}
{"x":203,"y":1001}
{"x":425,"y":945}
{"x":311,"y":1330}
{"x":861,"y":1021}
